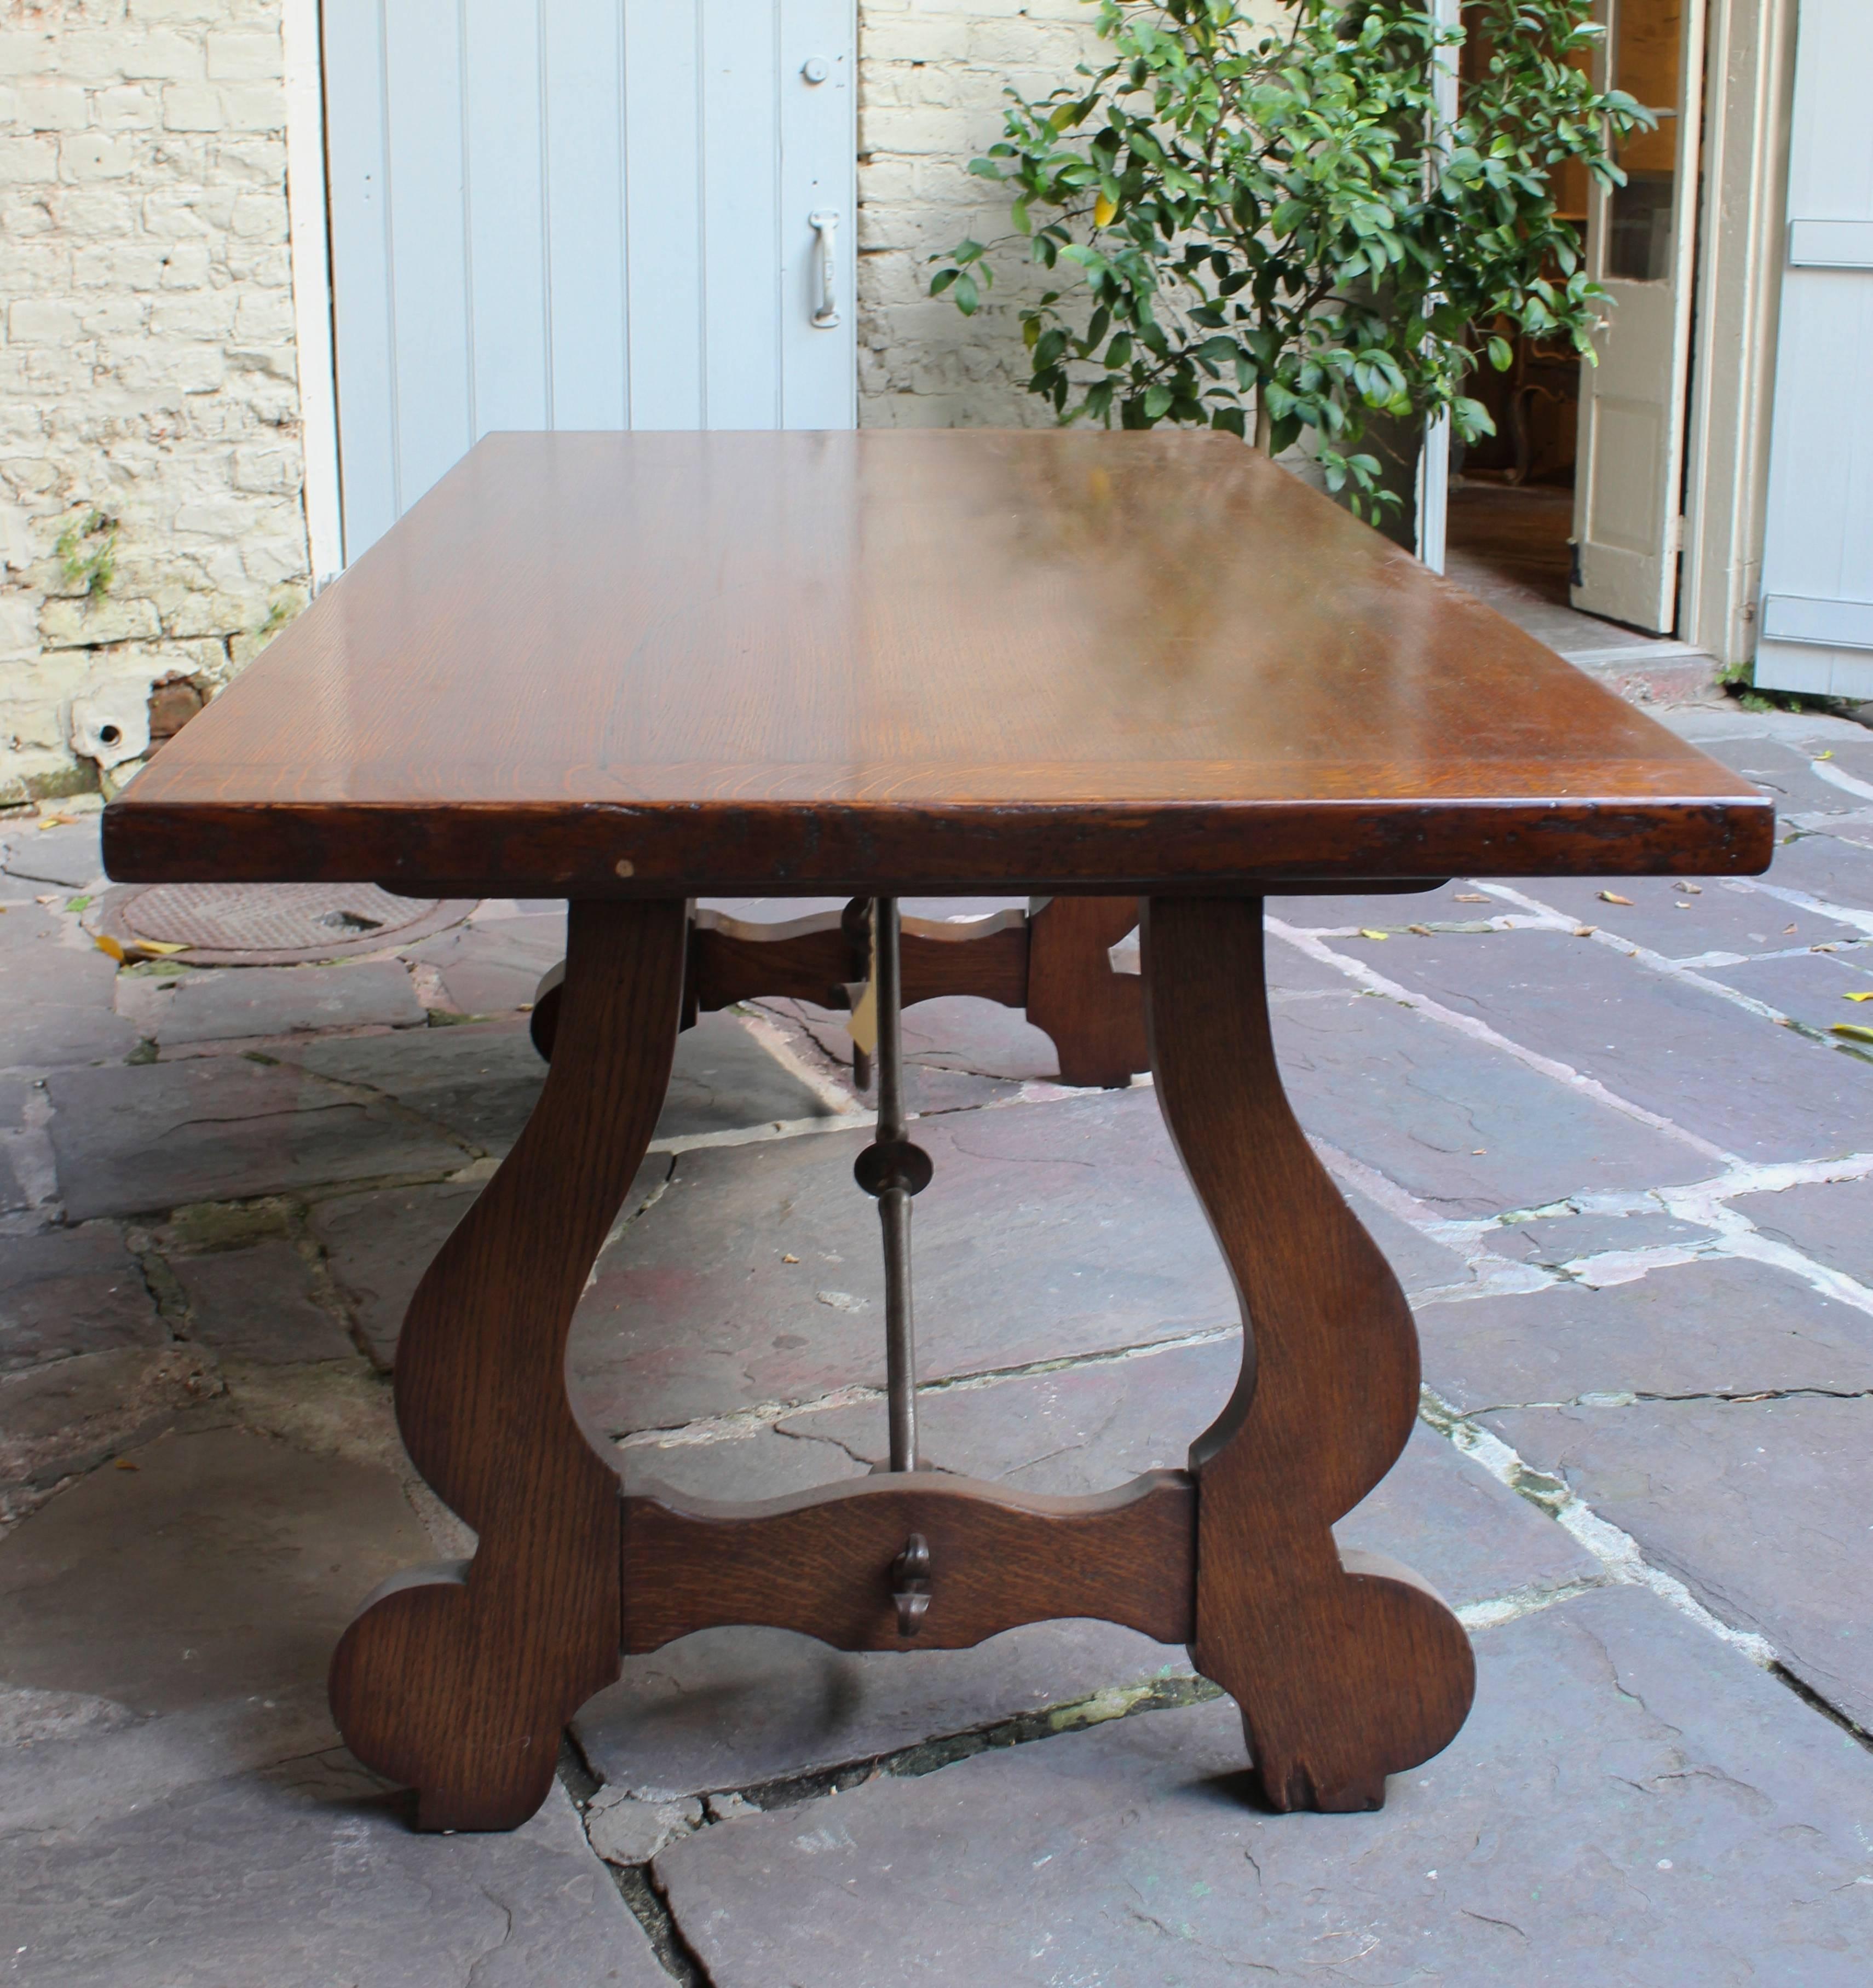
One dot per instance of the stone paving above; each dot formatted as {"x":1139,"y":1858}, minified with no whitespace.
{"x":1619,"y":1156}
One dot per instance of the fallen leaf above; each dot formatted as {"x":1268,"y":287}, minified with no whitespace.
{"x":1471,"y":897}
{"x":789,"y":1259}
{"x":1689,"y":889}
{"x":1867,"y":996}
{"x":50,"y":898}
{"x":137,"y":950}
{"x":1478,"y":1151}
{"x":61,"y":821}
{"x":1827,"y":755}
{"x":1854,"y":1029}
{"x":1786,"y":930}
{"x":77,"y":903}
{"x":1367,"y":932}
{"x":1613,"y":897}
{"x":1584,"y":931}
{"x":1834,"y":946}
{"x":1423,"y":931}
{"x":124,"y":1463}
{"x":1683,"y":903}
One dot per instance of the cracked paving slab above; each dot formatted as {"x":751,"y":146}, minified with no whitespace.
{"x":1811,"y":987}
{"x":492,"y":965}
{"x":1834,"y":868}
{"x":378,"y":1242}
{"x":55,"y":994}
{"x":1086,"y":1427}
{"x":1831,"y":1222}
{"x":69,"y":1292}
{"x":1664,"y":1044}
{"x":208,"y":1004}
{"x":70,"y":855}
{"x":147,"y":1139}
{"x":310,"y":1872}
{"x":1048,"y":1231}
{"x":481,"y":1080}
{"x":1711,"y":1327}
{"x":1460,"y":1124}
{"x":1760,"y":1508}
{"x":215,"y":1565}
{"x":1629,"y":1802}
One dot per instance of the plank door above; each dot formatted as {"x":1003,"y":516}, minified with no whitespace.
{"x":1816,"y":631}
{"x":1629,"y":475}
{"x":583,"y":214}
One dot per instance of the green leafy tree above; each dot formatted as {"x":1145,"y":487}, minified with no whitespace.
{"x":1277,"y":219}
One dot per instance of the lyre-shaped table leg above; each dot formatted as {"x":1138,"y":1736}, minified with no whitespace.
{"x":457,"y":1680}
{"x":1345,"y":1668}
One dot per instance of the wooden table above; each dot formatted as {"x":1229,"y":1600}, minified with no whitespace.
{"x":631,"y":671}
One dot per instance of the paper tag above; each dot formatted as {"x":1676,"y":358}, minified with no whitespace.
{"x":863,"y":1027}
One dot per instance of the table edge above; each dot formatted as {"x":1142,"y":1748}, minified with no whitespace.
{"x":565,"y":849}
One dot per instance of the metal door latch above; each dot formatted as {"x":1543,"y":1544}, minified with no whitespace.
{"x":824,"y":222}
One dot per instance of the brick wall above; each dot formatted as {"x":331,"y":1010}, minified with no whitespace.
{"x":931,"y":73}
{"x":146,"y":373}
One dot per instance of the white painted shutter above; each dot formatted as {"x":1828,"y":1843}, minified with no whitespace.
{"x":1631,"y":468}
{"x":1816,"y":633}
{"x":581,"y":214}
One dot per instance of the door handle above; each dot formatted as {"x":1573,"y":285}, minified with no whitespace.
{"x":825,"y":224}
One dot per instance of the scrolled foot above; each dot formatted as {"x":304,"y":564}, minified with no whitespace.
{"x":424,"y":1689}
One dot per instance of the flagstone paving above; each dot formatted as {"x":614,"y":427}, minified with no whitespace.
{"x":1604,"y":1129}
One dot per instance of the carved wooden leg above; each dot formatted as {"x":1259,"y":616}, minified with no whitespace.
{"x":1096,"y":1016}
{"x":459,"y":1680}
{"x":1345,"y":1670}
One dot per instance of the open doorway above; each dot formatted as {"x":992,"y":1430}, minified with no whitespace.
{"x":1568,"y":518}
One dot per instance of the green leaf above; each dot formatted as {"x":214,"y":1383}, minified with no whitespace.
{"x":1158,"y":400}
{"x":968,"y":297}
{"x":941,"y":281}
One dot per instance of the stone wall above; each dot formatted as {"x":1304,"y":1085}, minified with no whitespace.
{"x":931,"y":73}
{"x":150,"y":522}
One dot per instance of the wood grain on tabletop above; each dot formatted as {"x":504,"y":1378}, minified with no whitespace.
{"x":661,"y":664}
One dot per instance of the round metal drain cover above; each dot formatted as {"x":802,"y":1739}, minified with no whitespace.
{"x":272,"y":924}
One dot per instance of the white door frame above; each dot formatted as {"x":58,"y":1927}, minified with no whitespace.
{"x":312,"y":286}
{"x":1748,"y":107}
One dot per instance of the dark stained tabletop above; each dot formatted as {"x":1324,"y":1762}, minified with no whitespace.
{"x":665,"y":664}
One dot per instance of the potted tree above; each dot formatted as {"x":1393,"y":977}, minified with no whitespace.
{"x":1280,"y":229}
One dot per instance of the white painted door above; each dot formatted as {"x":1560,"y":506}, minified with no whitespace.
{"x":1815,"y":631}
{"x":1629,"y":477}
{"x":583,"y":214}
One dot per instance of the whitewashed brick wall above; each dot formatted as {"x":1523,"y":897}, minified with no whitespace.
{"x":147,"y":357}
{"x":147,"y":370}
{"x":931,"y":73}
